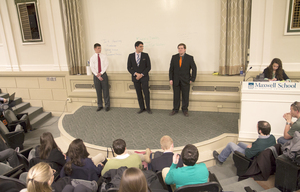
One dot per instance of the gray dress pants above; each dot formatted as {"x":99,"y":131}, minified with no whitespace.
{"x":102,"y":86}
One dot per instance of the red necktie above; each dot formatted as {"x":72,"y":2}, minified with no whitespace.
{"x":99,"y":64}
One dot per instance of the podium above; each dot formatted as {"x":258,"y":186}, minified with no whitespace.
{"x":266,"y":101}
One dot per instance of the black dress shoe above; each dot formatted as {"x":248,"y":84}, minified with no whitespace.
{"x":99,"y":108}
{"x":173,"y":112}
{"x":149,"y":111}
{"x":216,"y":155}
{"x":107,"y":108}
{"x":141,"y":111}
{"x":186,"y":113}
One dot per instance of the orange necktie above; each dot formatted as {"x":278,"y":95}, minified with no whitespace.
{"x":180,"y":61}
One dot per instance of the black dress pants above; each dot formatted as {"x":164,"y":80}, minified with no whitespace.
{"x":185,"y":92}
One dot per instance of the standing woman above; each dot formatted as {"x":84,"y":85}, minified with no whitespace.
{"x":274,"y":71}
{"x":49,"y":152}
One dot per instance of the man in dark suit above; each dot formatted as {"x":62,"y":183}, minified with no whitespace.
{"x":180,"y":77}
{"x":139,"y":66}
{"x":164,"y":159}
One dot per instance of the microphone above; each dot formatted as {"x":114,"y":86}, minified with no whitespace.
{"x":246,"y":73}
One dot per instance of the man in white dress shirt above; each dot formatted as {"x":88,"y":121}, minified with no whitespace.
{"x":99,"y":64}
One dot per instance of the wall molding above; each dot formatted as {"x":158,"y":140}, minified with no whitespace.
{"x":42,"y":67}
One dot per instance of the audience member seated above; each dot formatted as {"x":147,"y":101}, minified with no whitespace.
{"x":191,"y":173}
{"x":39,"y":178}
{"x":274,"y":71}
{"x":14,"y":121}
{"x":49,"y":152}
{"x":13,"y":139}
{"x":123,"y":158}
{"x":291,"y":127}
{"x":263,"y":141}
{"x":8,"y":154}
{"x":79,"y":166}
{"x":3,"y":100}
{"x":133,"y":179}
{"x":164,"y":159}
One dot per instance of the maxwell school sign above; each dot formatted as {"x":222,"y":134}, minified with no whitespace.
{"x":273,"y":85}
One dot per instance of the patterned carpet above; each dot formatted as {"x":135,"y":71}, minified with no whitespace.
{"x":144,"y":130}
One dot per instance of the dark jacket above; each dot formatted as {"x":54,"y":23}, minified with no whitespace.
{"x":263,"y":165}
{"x":165,"y":160}
{"x":89,"y":171}
{"x":182,"y":74}
{"x":144,"y":67}
{"x":56,"y":159}
{"x":266,"y":74}
{"x":116,"y":175}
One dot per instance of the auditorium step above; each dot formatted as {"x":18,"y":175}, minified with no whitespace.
{"x":239,"y":186}
{"x":228,"y":179}
{"x":36,"y":114}
{"x":274,"y":189}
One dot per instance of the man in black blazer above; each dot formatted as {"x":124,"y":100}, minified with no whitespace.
{"x":139,"y":66}
{"x":180,"y":77}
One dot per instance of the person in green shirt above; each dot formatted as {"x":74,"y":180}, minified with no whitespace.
{"x":125,"y":158}
{"x":263,"y":141}
{"x":191,"y":173}
{"x":290,"y":127}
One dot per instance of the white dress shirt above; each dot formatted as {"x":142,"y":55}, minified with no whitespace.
{"x":94,"y":63}
{"x":122,"y":156}
{"x":136,"y":54}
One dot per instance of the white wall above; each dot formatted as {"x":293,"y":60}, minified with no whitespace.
{"x":48,"y":55}
{"x":285,"y":47}
{"x":160,"y":24}
{"x":267,"y":39}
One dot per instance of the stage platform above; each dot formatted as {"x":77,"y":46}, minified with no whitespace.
{"x":206,"y":130}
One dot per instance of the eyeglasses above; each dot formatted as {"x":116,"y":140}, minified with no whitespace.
{"x":53,"y":171}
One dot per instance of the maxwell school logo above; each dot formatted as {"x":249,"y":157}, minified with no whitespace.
{"x":275,"y":85}
{"x":250,"y":85}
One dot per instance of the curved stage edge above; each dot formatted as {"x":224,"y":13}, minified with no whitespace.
{"x":205,"y":148}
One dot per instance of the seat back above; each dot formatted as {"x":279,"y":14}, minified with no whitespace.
{"x":241,"y":162}
{"x":162,"y":182}
{"x":15,"y":172}
{"x":13,"y":139}
{"x":3,"y":129}
{"x":213,"y":178}
{"x":4,"y":168}
{"x":11,"y":184}
{"x":10,"y":116}
{"x":209,"y":187}
{"x":23,"y":160}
